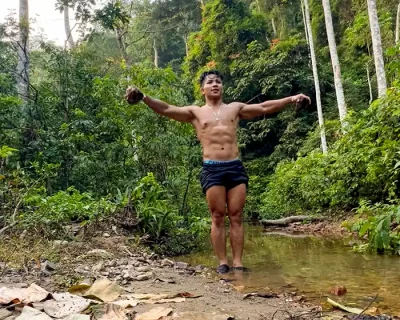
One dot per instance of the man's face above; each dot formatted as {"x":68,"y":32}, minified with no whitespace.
{"x":212,"y":86}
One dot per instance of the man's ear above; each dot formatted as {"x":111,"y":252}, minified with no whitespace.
{"x":202,"y":90}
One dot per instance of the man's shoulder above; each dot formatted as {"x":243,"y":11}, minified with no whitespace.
{"x":236,"y":105}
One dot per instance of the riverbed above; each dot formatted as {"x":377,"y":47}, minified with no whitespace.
{"x":312,"y":266}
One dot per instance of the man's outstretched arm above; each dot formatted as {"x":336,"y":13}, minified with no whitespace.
{"x":182,"y":114}
{"x":248,"y":111}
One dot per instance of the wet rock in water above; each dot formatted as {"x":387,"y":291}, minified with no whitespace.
{"x":143,"y":269}
{"x":339,"y":290}
{"x":181,"y":265}
{"x":167,"y":263}
{"x":4,"y":314}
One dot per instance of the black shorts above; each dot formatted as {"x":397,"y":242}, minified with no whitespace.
{"x":223,"y":173}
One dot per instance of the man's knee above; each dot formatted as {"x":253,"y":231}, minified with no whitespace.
{"x":218,"y":218}
{"x":235,"y":217}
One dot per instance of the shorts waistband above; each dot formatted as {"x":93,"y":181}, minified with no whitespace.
{"x":221,"y":162}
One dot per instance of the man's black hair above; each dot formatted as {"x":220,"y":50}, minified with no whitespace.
{"x":206,"y":73}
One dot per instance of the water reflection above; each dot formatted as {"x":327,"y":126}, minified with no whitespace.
{"x":314,"y":265}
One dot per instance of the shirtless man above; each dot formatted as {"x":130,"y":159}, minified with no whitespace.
{"x":223,"y":178}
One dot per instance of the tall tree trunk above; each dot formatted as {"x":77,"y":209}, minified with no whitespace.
{"x":23,"y":51}
{"x":335,"y":60}
{"x":258,"y":5}
{"x":67,"y":26}
{"x":397,"y":24}
{"x":316,"y":78}
{"x":121,"y":44}
{"x":371,"y":97}
{"x":185,"y":39}
{"x":377,"y":47}
{"x":304,"y":22}
{"x":155,"y":53}
{"x":274,"y":26}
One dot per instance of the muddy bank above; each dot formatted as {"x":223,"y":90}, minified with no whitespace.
{"x":188,"y":292}
{"x":329,"y":228}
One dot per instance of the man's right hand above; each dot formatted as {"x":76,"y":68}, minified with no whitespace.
{"x":133,"y":95}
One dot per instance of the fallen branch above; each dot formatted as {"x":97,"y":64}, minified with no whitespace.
{"x":286,"y":234}
{"x":288,"y":220}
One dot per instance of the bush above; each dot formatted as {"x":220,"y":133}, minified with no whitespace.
{"x":380,"y":224}
{"x":363,"y":164}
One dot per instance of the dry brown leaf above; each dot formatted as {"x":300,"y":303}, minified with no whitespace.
{"x":114,"y":312}
{"x":29,"y":313}
{"x":126,"y":303}
{"x":33,"y":293}
{"x":155,"y":314}
{"x":146,"y":296}
{"x":165,"y":280}
{"x":176,"y":300}
{"x":104,"y":290}
{"x":81,"y":288}
{"x":65,"y":304}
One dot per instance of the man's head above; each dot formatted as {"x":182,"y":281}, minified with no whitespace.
{"x":211,"y":84}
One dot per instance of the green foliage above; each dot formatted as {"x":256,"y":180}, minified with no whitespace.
{"x":362,"y":165}
{"x":55,"y":211}
{"x":223,"y":22}
{"x":379,"y":223}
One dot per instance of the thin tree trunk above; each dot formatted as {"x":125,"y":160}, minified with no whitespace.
{"x":258,"y":5}
{"x":335,"y":60}
{"x":155,"y":53}
{"x":316,"y":78}
{"x":121,"y":44}
{"x":274,"y":26}
{"x":371,"y":97}
{"x":377,"y":47}
{"x":397,"y":24}
{"x":305,"y":24}
{"x":67,"y":26}
{"x":185,"y":39}
{"x":23,"y":51}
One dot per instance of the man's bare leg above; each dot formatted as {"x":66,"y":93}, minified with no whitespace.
{"x":216,"y":198}
{"x":236,"y":201}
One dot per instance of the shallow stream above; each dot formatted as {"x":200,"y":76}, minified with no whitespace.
{"x":313,"y":266}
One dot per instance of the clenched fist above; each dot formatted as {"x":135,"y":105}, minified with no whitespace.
{"x":301,"y":101}
{"x":133,"y":95}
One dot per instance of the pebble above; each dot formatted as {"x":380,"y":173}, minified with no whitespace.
{"x":142,"y":277}
{"x":167,"y":262}
{"x":181,"y":265}
{"x":122,"y":262}
{"x":99,"y":253}
{"x":106,"y":235}
{"x":48,"y":266}
{"x":143,"y":269}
